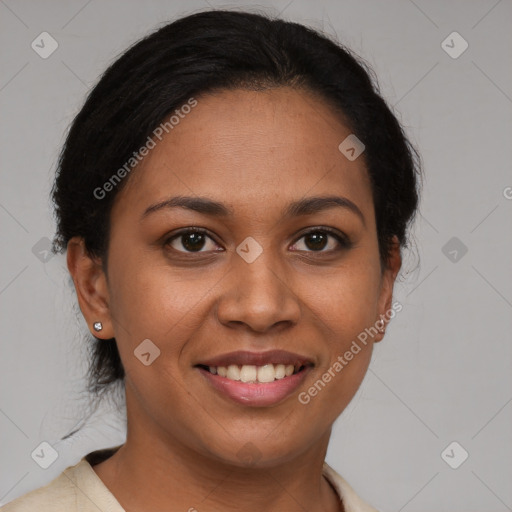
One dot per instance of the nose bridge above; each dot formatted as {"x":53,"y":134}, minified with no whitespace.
{"x":258,"y":293}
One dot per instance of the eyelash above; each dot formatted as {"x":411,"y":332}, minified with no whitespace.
{"x":343,"y":240}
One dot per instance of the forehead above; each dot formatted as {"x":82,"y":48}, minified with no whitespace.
{"x":251,"y":149}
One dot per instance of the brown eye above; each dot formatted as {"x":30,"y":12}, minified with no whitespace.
{"x":320,"y":239}
{"x":192,"y":240}
{"x":316,"y":241}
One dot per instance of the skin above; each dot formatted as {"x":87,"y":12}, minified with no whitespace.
{"x":256,"y":152}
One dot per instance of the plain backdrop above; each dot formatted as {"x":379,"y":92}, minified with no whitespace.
{"x":442,"y":373}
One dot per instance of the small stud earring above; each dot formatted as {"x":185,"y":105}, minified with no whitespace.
{"x":98,"y":326}
{"x":380,"y":325}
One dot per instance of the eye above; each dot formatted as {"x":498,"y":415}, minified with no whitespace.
{"x":317,"y":240}
{"x":191,"y":240}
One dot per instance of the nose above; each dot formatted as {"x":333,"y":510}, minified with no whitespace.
{"x":258,"y":296}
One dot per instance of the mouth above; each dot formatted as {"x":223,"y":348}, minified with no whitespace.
{"x":256,"y":379}
{"x":255,"y":374}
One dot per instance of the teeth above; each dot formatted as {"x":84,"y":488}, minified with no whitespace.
{"x":266,"y":373}
{"x":280,"y":371}
{"x":233,"y":372}
{"x":252,"y":373}
{"x":248,"y":373}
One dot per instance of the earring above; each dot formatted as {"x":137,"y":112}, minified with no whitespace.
{"x":380,"y":325}
{"x":98,"y":326}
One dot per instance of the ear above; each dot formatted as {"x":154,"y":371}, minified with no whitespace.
{"x":91,"y":287}
{"x":387,"y":282}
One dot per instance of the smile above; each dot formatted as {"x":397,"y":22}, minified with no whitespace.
{"x":256,"y":379}
{"x":251,"y":373}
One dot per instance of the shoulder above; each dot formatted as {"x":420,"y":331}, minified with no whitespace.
{"x":59,"y":494}
{"x":77,"y":488}
{"x":351,"y":501}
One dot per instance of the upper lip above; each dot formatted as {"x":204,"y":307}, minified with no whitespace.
{"x":244,"y":357}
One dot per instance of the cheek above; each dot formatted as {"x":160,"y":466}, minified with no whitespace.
{"x":150,"y":300}
{"x":350,"y":308}
{"x":344,"y":309}
{"x":149,"y":303}
{"x":335,"y":383}
{"x":345,"y":301}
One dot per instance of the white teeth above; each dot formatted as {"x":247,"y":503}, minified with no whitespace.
{"x":280,"y":371}
{"x":266,"y":373}
{"x":233,"y":372}
{"x":248,"y":373}
{"x":252,"y":373}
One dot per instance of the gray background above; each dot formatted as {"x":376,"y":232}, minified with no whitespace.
{"x":443,"y":371}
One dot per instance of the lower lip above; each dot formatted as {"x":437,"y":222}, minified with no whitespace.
{"x":255,"y":394}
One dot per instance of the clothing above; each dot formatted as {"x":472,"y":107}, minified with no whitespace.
{"x":79,"y":489}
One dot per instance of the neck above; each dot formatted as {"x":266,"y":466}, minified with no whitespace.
{"x":150,"y":472}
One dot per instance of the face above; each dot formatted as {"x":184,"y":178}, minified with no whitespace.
{"x":255,"y":272}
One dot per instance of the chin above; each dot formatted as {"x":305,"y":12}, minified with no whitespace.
{"x":258,"y":450}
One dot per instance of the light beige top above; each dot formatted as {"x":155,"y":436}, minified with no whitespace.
{"x":79,"y":489}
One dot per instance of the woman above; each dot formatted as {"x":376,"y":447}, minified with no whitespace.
{"x":233,"y":198}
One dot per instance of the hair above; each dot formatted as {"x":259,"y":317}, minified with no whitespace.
{"x":203,"y":53}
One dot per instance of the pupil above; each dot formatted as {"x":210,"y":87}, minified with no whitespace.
{"x":318,"y":239}
{"x":193,"y":241}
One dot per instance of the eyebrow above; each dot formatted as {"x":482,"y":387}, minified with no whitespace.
{"x":306,"y":206}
